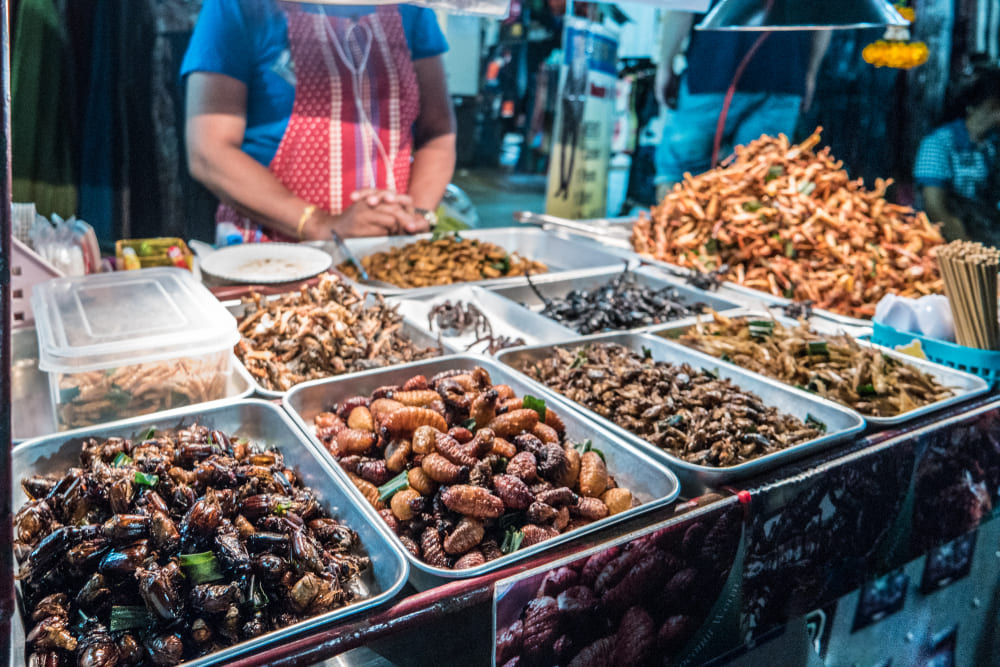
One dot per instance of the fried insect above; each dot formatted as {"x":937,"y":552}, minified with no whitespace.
{"x":470,"y":485}
{"x":442,"y":261}
{"x":219,"y":557}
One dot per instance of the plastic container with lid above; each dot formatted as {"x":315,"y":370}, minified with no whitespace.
{"x":127,"y":343}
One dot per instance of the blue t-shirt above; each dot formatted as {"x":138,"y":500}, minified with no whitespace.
{"x":948,"y":158}
{"x":248,"y":40}
{"x":779,"y":66}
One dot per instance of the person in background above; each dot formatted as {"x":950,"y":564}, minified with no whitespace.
{"x":307,"y":119}
{"x":956,"y":170}
{"x":776,"y":86}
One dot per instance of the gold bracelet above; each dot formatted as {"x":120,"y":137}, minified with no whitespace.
{"x":306,"y":214}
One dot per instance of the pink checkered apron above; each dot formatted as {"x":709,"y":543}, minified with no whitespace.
{"x":354,"y":82}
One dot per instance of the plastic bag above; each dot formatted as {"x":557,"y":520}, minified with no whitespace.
{"x":69,"y":245}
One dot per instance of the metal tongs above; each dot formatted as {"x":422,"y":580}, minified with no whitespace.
{"x":599,"y":227}
{"x":350,"y":255}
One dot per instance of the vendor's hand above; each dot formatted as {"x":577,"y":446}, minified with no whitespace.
{"x":358,"y":219}
{"x":398,"y":205}
{"x":665,"y":86}
{"x":373,"y":197}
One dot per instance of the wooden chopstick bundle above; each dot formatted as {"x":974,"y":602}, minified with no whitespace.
{"x":970,"y":281}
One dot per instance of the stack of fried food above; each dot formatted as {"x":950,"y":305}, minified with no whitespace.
{"x":788,"y":220}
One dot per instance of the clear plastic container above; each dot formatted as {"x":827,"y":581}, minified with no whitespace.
{"x":122,"y":344}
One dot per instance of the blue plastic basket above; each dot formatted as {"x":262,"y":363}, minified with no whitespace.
{"x":984,"y":363}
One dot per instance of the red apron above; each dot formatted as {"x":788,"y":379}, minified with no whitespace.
{"x":356,"y":99}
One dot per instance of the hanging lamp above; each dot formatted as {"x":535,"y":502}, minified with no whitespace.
{"x":801,"y":15}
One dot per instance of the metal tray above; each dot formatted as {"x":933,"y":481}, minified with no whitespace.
{"x":842,"y":424}
{"x":650,"y":481}
{"x":561,"y":254}
{"x":256,"y":420}
{"x":34,"y":415}
{"x":556,"y":286}
{"x":506,"y":317}
{"x":418,"y":334}
{"x":965,"y":385}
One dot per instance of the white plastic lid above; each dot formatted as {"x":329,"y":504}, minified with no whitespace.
{"x":123,"y":318}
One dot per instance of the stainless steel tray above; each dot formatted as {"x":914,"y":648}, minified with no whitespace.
{"x":965,"y":385}
{"x":33,"y":414}
{"x":650,"y":481}
{"x":259,"y":421}
{"x":416,"y":333}
{"x":560,"y":253}
{"x":842,"y":424}
{"x":558,"y":287}
{"x":506,"y":317}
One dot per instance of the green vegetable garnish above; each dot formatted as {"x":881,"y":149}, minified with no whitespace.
{"x":789,"y":249}
{"x":646,"y":353}
{"x":815,"y":423}
{"x":201,"y":567}
{"x":761,"y":328}
{"x":536,"y":404}
{"x":752,"y":206}
{"x":146,"y":480}
{"x":148,"y":434}
{"x":773,"y":173}
{"x":588,"y":446}
{"x":281,"y":509}
{"x":806,"y":188}
{"x":470,"y":424}
{"x":393,"y":486}
{"x":581,"y":358}
{"x":122,"y":459}
{"x":68,"y":394}
{"x":512,"y":541}
{"x":867,"y":389}
{"x":817,"y":347}
{"x":129,"y":617}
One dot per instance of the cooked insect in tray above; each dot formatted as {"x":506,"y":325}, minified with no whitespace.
{"x":788,"y":220}
{"x":443,"y":261}
{"x":835,"y":367}
{"x":620,"y":304}
{"x":174,"y":545}
{"x":320,"y":332}
{"x":456,"y":319}
{"x":690,"y":413}
{"x":464,"y":471}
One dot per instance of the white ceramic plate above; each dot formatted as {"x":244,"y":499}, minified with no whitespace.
{"x":265,"y":263}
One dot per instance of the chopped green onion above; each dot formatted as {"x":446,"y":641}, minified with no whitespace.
{"x":712,"y":247}
{"x":762,"y":324}
{"x":281,"y":508}
{"x":148,"y":434}
{"x":588,"y":446}
{"x":129,"y":617}
{"x":512,"y":541}
{"x":867,"y":389}
{"x":713,"y":373}
{"x":761,"y":328}
{"x":789,"y":249}
{"x":470,"y":424}
{"x":536,"y":404}
{"x":817,"y":347}
{"x":646,"y":353}
{"x":806,"y":188}
{"x":815,"y":423}
{"x":146,"y":480}
{"x":752,"y":206}
{"x":773,"y":173}
{"x":122,"y":459}
{"x":581,"y":358}
{"x":393,"y":486}
{"x":512,"y":520}
{"x":788,"y":293}
{"x":201,"y":567}
{"x":68,"y":394}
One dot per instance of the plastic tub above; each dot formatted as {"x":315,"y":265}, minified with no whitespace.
{"x":118,"y":345}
